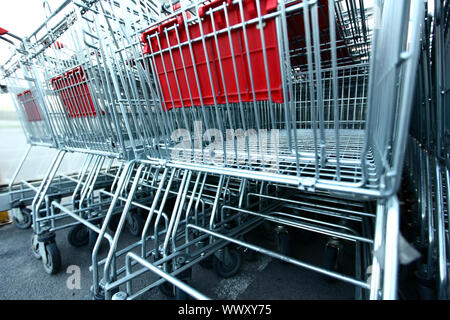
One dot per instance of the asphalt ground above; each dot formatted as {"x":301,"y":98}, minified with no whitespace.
{"x":261,"y":278}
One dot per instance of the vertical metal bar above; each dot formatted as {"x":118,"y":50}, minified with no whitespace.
{"x":336,"y":119}
{"x":121,"y":184}
{"x":317,"y":63}
{"x":19,"y":167}
{"x":391,"y":250}
{"x":441,"y":237}
{"x":377,"y":246}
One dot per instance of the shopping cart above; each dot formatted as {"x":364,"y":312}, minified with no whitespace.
{"x":257,"y":98}
{"x":216,"y":109}
{"x":65,"y":106}
{"x":428,"y":159}
{"x":21,"y":82}
{"x":28,"y":105}
{"x":328,"y":145}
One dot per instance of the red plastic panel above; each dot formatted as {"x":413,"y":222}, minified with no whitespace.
{"x":207,"y":58}
{"x":74,"y":92}
{"x":29,"y":105}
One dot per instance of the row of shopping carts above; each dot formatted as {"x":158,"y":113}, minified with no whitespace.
{"x":202,"y":121}
{"x":427,"y":178}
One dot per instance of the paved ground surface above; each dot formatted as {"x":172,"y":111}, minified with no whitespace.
{"x":22,"y":276}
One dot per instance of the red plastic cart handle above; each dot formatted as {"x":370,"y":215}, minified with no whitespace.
{"x":6,"y":32}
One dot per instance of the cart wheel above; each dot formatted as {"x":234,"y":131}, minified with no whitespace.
{"x":207,"y":263}
{"x":330,"y":260}
{"x":78,"y":236}
{"x":26,"y":221}
{"x":53,"y":258}
{"x":35,"y":247}
{"x":135,"y":224}
{"x":167,"y":289}
{"x":230,"y":266}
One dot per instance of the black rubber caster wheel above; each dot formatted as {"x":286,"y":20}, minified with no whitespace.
{"x":53,"y":263}
{"x":35,"y":247}
{"x":78,"y":236}
{"x":26,"y":220}
{"x":230,"y":265}
{"x":135,"y":224}
{"x":99,"y":297}
{"x":167,"y":289}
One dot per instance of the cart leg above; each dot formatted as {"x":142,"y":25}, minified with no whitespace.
{"x":19,"y":167}
{"x":21,"y":219}
{"x":391,"y":249}
{"x":441,"y":238}
{"x":119,"y":188}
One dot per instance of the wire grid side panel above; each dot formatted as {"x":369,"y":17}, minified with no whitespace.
{"x":30,"y":113}
{"x":389,"y":80}
{"x":80,"y":92}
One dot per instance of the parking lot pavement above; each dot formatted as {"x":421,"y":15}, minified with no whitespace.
{"x":22,"y":276}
